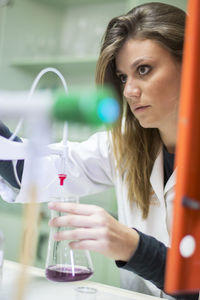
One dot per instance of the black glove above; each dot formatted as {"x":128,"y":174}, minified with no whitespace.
{"x":6,"y":167}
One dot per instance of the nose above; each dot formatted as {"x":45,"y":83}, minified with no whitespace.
{"x":131,"y":89}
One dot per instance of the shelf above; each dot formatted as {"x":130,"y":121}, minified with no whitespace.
{"x":51,"y":60}
{"x":64,"y":30}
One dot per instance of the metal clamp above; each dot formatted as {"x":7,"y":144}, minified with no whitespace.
{"x":191,"y":203}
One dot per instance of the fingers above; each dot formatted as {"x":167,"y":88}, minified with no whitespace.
{"x":79,"y":215}
{"x":76,"y":221}
{"x":92,"y":221}
{"x":84,"y":239}
{"x":77,"y":234}
{"x":74,"y":208}
{"x":94,"y":229}
{"x":91,"y":245}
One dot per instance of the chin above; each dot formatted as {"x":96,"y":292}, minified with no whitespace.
{"x":146,"y":124}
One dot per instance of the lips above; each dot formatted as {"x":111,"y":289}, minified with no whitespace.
{"x":140,"y":108}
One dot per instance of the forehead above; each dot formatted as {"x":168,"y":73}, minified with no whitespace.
{"x":139,"y":49}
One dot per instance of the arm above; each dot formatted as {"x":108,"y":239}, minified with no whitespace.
{"x":96,"y":230}
{"x":6,"y":167}
{"x":149,"y":262}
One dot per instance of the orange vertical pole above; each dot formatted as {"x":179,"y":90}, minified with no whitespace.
{"x":183,"y":261}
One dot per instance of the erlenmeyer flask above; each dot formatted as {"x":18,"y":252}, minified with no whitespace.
{"x":64,"y":264}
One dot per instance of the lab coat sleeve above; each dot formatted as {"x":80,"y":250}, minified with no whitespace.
{"x":89,"y":168}
{"x":149,"y":262}
{"x":90,"y":165}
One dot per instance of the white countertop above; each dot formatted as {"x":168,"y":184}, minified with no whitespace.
{"x":39,"y":288}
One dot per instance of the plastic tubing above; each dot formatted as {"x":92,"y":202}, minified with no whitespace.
{"x":32,"y":90}
{"x":30,"y":95}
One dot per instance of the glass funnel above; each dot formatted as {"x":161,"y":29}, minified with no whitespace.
{"x":64,"y":264}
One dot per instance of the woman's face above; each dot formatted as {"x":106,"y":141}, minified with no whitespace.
{"x":151,"y":82}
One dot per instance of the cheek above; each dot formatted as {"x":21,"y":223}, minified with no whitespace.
{"x":166,"y":89}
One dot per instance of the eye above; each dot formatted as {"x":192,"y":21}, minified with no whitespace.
{"x":143,"y":69}
{"x":122,"y":78}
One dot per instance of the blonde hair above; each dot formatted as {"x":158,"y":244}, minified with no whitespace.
{"x":136,"y":148}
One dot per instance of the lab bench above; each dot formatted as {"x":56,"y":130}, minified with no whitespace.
{"x":39,"y":287}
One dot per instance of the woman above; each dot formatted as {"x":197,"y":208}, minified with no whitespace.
{"x":140,"y":57}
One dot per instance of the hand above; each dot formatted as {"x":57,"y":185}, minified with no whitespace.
{"x":94,"y":229}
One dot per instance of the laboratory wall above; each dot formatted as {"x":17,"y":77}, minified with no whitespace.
{"x":65,"y":34}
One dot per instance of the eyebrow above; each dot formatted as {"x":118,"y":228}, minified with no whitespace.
{"x":136,"y":62}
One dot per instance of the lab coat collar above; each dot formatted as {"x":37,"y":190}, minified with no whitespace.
{"x":156,"y":178}
{"x":171,"y":182}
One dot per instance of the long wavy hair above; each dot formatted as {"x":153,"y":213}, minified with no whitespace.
{"x":136,"y":148}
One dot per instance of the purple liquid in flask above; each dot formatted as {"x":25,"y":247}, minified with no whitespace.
{"x":65,"y":273}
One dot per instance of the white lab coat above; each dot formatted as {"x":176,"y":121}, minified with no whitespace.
{"x":91,"y":169}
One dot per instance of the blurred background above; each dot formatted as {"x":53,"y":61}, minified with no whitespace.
{"x":65,"y":34}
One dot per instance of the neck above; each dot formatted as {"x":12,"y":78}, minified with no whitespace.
{"x":170,"y":148}
{"x":169,"y":139}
